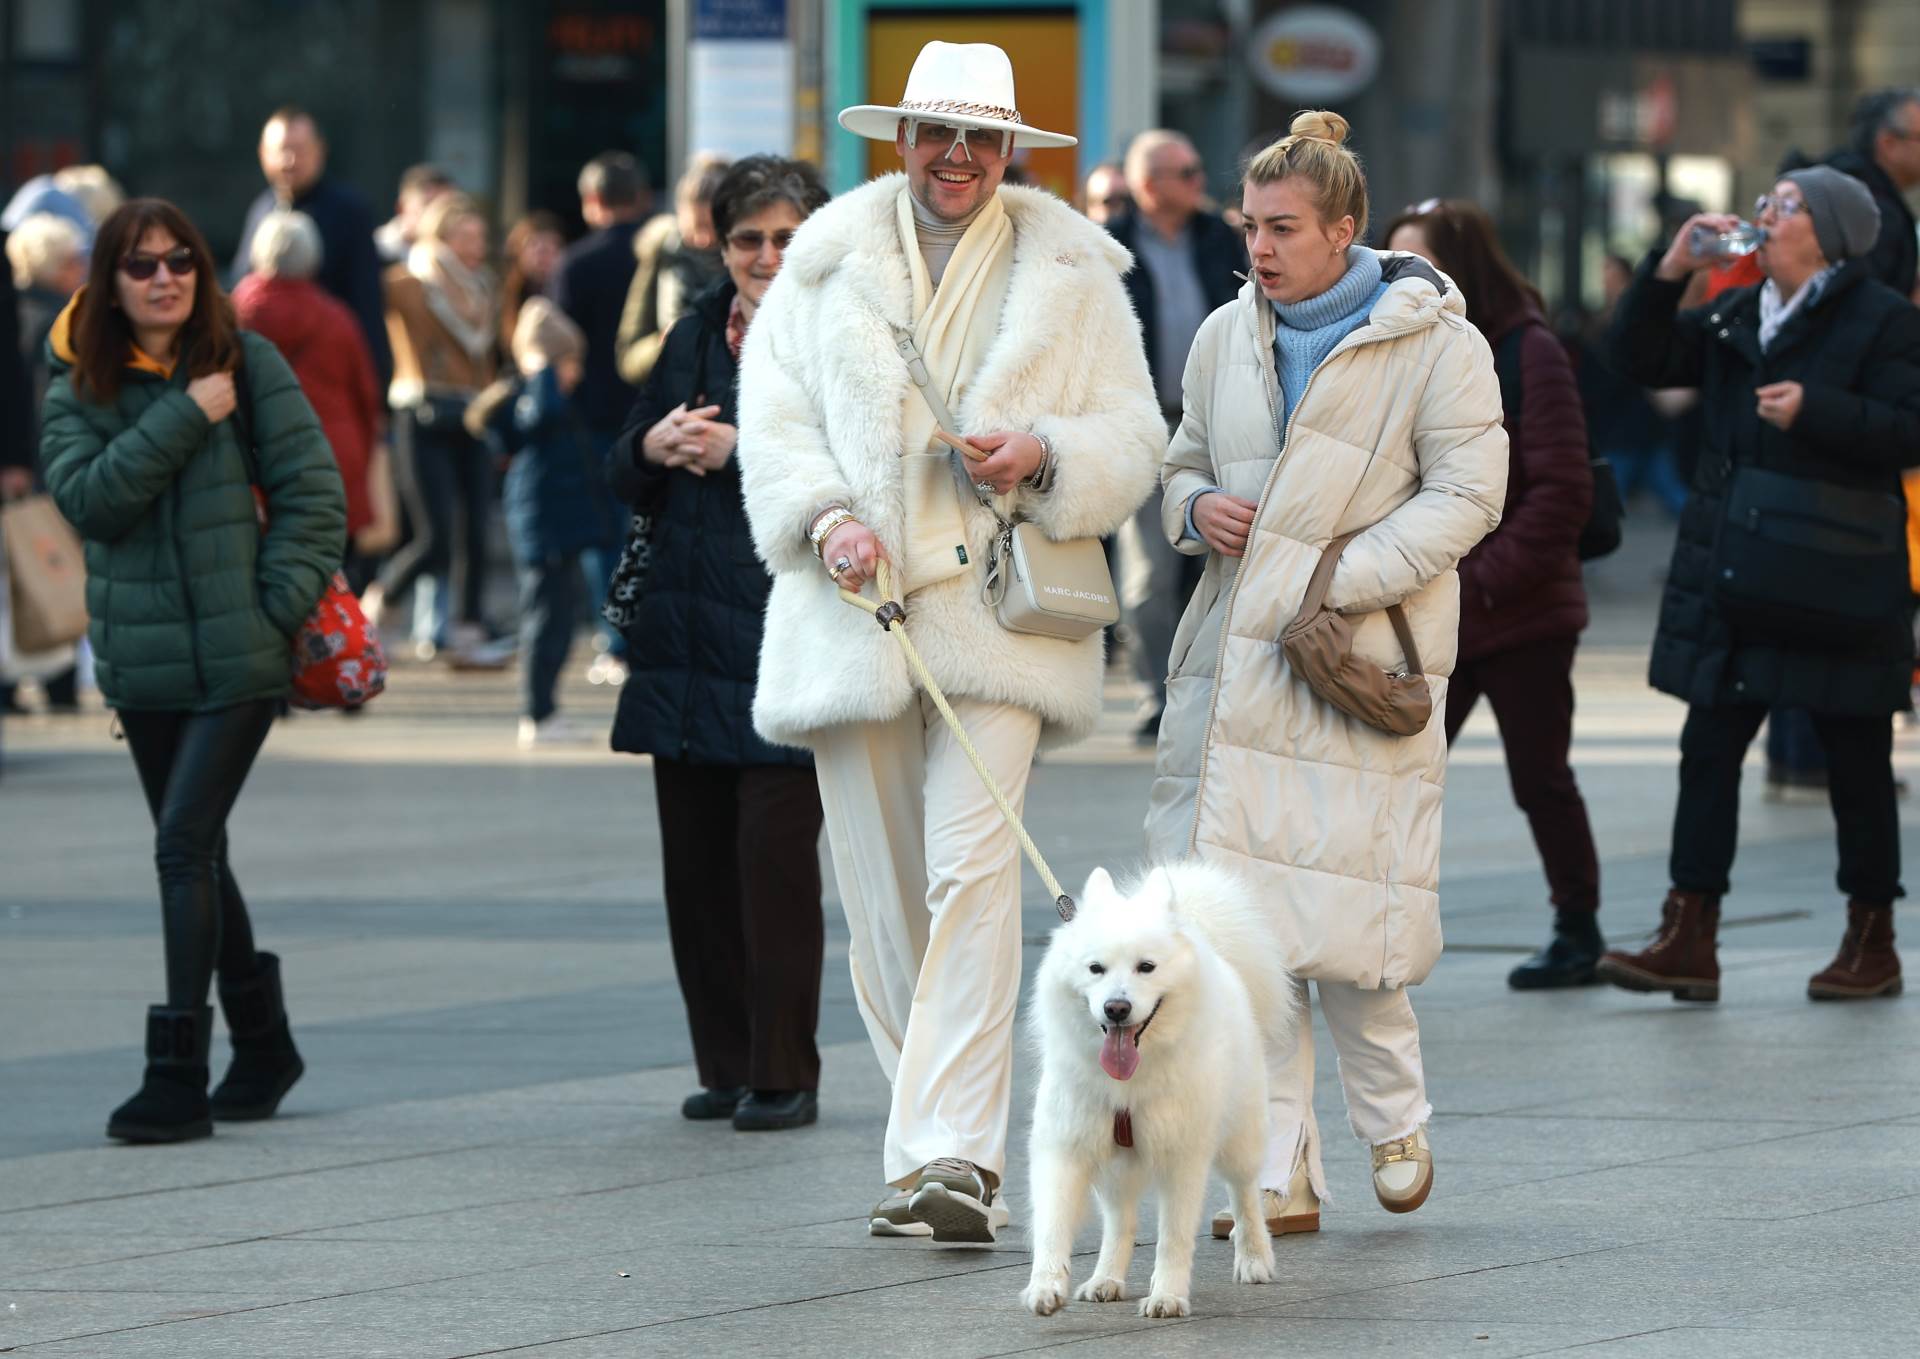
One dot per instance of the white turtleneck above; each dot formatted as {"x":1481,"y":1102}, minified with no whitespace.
{"x":937,"y":237}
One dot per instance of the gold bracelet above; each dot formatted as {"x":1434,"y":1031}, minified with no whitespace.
{"x":825,"y":523}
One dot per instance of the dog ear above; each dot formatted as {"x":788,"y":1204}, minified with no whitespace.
{"x":1158,"y":888}
{"x":1099,"y":887}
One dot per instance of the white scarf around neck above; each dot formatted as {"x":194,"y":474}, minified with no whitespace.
{"x":461,"y":299}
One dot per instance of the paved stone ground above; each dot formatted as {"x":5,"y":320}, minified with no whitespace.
{"x":486,"y":1155}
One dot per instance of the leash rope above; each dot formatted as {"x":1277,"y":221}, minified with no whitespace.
{"x":891,"y":615}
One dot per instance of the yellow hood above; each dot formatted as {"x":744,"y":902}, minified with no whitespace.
{"x":61,"y":341}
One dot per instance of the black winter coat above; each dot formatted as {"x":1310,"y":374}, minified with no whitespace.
{"x":694,"y":648}
{"x":1217,"y":254}
{"x":1895,"y":256}
{"x":1856,"y":352}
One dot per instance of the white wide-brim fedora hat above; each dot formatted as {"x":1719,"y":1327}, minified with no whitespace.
{"x":964,"y":84}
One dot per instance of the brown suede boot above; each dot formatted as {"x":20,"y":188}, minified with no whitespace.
{"x":1866,"y":965}
{"x":1680,"y":959}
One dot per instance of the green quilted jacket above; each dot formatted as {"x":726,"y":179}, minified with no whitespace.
{"x":192,"y":606}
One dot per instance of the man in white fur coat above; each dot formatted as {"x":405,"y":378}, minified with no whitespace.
{"x":1016,"y":305}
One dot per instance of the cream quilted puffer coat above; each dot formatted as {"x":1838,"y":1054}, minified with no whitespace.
{"x":1398,"y":433}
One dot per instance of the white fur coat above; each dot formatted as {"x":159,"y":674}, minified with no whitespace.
{"x":822,"y":390}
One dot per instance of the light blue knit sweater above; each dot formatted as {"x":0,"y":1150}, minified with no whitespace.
{"x":1307,"y":332}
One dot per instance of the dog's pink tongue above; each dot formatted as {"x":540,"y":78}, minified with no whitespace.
{"x":1120,"y":1054}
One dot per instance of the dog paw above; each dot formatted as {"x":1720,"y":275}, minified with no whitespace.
{"x":1252,"y":1270}
{"x":1043,"y":1297}
{"x":1165,"y":1305}
{"x":1102,"y":1290}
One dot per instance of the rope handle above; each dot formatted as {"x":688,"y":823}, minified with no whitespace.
{"x":891,"y":615}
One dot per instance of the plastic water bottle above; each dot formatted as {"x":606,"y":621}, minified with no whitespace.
{"x":1744,"y":239}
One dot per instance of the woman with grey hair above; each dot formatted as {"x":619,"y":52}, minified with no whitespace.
{"x":323,"y":343}
{"x":1789,"y":579}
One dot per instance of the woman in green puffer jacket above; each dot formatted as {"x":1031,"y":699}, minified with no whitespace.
{"x":194,"y":608}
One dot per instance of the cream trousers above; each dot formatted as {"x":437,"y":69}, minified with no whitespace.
{"x":1377,"y":1041}
{"x":929,"y":875}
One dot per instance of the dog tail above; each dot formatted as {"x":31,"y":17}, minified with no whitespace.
{"x":1223,"y":907}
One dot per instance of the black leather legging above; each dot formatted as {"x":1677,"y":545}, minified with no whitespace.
{"x":191,"y":768}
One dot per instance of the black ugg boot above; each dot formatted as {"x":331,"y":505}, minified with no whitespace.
{"x":1568,"y":959}
{"x":265,"y":1062}
{"x":171,"y":1105}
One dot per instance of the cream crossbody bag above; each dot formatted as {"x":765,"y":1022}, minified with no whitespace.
{"x":1034,"y":584}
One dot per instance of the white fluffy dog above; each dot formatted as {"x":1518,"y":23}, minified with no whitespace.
{"x":1153,"y":1009}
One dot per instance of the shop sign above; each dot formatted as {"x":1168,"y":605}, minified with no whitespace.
{"x":1315,"y":53}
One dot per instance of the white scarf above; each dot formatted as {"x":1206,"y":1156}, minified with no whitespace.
{"x":1775,"y":313}
{"x":954,"y":326}
{"x":461,"y":299}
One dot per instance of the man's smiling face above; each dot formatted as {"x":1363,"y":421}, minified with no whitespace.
{"x":952,"y":171}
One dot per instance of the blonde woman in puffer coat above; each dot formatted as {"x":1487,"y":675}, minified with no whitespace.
{"x":1342,"y":391}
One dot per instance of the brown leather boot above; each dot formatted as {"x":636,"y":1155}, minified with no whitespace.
{"x":1680,"y":959}
{"x":1866,"y":965}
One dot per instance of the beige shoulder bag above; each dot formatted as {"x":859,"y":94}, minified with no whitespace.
{"x":1034,"y":584}
{"x":1319,"y":646}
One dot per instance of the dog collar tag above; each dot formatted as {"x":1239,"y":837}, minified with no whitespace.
{"x":1123,"y":1127}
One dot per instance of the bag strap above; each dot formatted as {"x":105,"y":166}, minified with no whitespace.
{"x":1316,"y":599}
{"x":917,"y":370}
{"x":243,"y":423}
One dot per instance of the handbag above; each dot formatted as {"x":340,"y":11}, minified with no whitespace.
{"x":1319,"y":646}
{"x":1035,"y":585}
{"x":337,"y":660}
{"x":622,"y":605}
{"x":46,"y":566}
{"x":1805,"y":563}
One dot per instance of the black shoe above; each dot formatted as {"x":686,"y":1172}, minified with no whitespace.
{"x":1148,"y":732}
{"x":776,"y":1110}
{"x":265,"y":1061}
{"x":1568,"y":959}
{"x":708,"y":1104}
{"x":171,"y":1105}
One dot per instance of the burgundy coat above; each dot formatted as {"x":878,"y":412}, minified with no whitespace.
{"x":1521,"y":583}
{"x":323,"y":344}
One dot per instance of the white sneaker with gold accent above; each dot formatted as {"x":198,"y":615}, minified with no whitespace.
{"x":1403,"y":1172}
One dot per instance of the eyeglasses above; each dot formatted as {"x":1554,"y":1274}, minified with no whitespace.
{"x":1188,"y":173}
{"x":1782,"y":207}
{"x":967,"y":141}
{"x":1118,"y":202}
{"x":752,"y":242}
{"x":140,"y":268}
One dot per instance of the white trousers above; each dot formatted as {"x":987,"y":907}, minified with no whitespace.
{"x":1377,"y":1041}
{"x":929,"y":873}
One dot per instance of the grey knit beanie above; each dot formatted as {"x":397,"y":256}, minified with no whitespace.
{"x":1846,"y":220}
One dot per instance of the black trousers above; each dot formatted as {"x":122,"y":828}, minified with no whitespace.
{"x":192,"y":766}
{"x":742,"y":859}
{"x":1531,"y":690}
{"x":1866,"y":817}
{"x":549,"y":608}
{"x":444,"y":480}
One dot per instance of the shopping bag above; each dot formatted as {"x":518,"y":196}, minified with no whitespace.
{"x":48,"y":574}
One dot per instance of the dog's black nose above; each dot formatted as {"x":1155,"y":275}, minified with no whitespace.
{"x":1118,"y":1010}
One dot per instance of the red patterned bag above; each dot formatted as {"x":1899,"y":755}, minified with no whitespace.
{"x":337,"y":659}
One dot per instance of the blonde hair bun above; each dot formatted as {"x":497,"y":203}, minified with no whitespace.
{"x":1320,"y":125}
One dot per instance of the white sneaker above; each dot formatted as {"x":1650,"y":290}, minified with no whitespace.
{"x":1403,"y":1172}
{"x":955,"y":1199}
{"x":554,"y":730}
